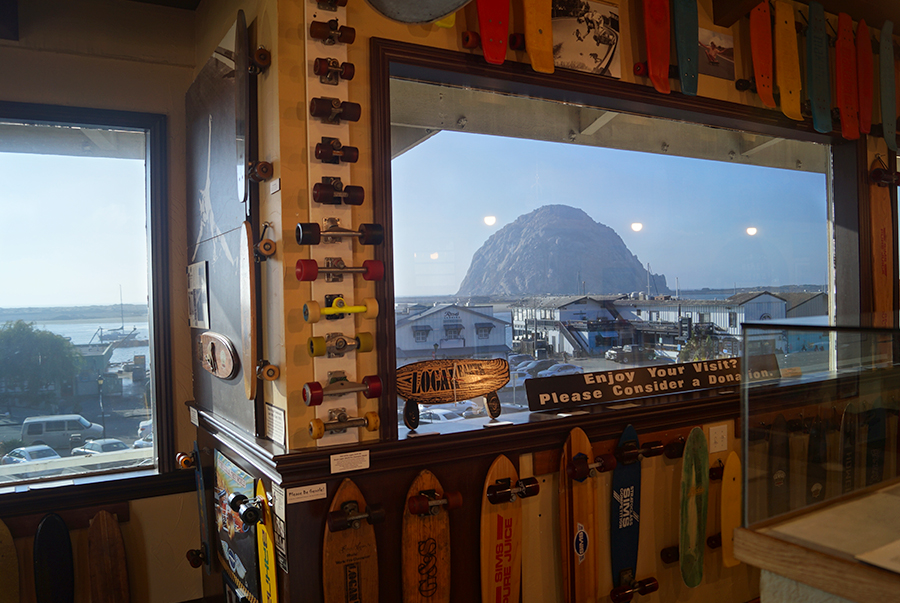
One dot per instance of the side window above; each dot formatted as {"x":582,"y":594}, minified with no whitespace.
{"x":74,"y":426}
{"x":35,"y":428}
{"x":56,"y":426}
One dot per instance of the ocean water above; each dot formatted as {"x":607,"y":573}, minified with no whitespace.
{"x":81,"y":333}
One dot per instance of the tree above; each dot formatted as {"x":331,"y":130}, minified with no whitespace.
{"x":32,"y":359}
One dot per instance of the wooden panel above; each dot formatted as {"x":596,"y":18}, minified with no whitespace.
{"x":77,"y":519}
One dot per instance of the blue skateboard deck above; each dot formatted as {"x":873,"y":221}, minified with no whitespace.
{"x":54,"y":571}
{"x":687,"y":44}
{"x":818,"y":80}
{"x":888,"y":86}
{"x":624,"y":514}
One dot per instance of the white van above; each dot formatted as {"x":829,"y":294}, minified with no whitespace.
{"x":62,"y":432}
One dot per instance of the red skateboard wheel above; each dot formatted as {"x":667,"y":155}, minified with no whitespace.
{"x":195,"y":558}
{"x":374,"y":270}
{"x":308,"y":233}
{"x":323,"y":193}
{"x":261,"y":171}
{"x":321,"y":108}
{"x":351,"y":111}
{"x":498,"y":494}
{"x":577,"y":468}
{"x":373,"y":386}
{"x":337,"y":521}
{"x":348,"y":70}
{"x":346,"y":35}
{"x":647,"y":586}
{"x":320,"y":30}
{"x":350,"y":154}
{"x":262,"y":57}
{"x":517,"y":41}
{"x":324,"y":152}
{"x":321,"y":66}
{"x":312,"y":393}
{"x":355,"y":195}
{"x":418,"y":505}
{"x":376,"y":514}
{"x":454,"y":500}
{"x":307,"y":270}
{"x":470,"y":39}
{"x":621,"y":594}
{"x":641,"y":69}
{"x":371,"y":234}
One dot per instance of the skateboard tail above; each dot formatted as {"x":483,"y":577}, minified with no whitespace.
{"x":762,"y":52}
{"x":818,"y":72}
{"x":539,"y":34}
{"x":493,"y":26}
{"x":787,"y":61}
{"x":657,"y":32}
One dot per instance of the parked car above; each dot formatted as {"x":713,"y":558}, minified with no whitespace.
{"x":635,"y":353}
{"x":516,"y":360}
{"x":59,"y":431}
{"x":144,"y":442}
{"x":27,"y":454}
{"x":561,"y":369}
{"x":145,"y":427}
{"x":468,"y":409}
{"x":614,"y":354}
{"x":438,"y":415}
{"x":103,"y":446}
{"x":531,"y":369}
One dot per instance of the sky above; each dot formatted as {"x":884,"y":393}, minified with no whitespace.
{"x":695,"y":213}
{"x":72,"y":230}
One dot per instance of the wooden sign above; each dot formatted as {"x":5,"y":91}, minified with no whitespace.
{"x":443,"y":381}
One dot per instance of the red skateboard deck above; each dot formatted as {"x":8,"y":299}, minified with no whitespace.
{"x":493,"y":30}
{"x":846,"y":82}
{"x":761,"y":50}
{"x":864,"y":76}
{"x":657,"y":32}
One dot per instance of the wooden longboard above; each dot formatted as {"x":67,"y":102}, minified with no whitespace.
{"x":818,"y":70}
{"x":694,"y":503}
{"x":265,"y":545}
{"x":730,"y":506}
{"x":881,"y":221}
{"x":762,"y":53}
{"x":539,"y":34}
{"x":106,"y":560}
{"x":865,"y":76}
{"x":425,"y":556}
{"x":787,"y":60}
{"x":779,"y":468}
{"x":657,"y":33}
{"x":350,"y":556}
{"x":624,"y":514}
{"x":888,"y":86}
{"x":849,"y":430}
{"x":249,"y":354}
{"x":9,"y":567}
{"x":501,"y":539}
{"x":443,"y":381}
{"x":816,"y":462}
{"x":687,"y":44}
{"x":54,"y":570}
{"x":578,"y":525}
{"x":846,"y":84}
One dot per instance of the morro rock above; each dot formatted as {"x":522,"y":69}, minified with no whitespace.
{"x":556,"y":250}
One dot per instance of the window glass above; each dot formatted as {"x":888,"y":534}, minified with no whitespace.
{"x":56,"y":425}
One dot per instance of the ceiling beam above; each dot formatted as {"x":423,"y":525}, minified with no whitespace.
{"x":748,"y":148}
{"x":9,"y":20}
{"x":593,"y":122}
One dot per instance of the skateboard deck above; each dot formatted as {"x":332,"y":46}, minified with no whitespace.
{"x":657,"y":34}
{"x":762,"y":53}
{"x":493,"y":29}
{"x":875,"y":443}
{"x":881,"y":222}
{"x":448,"y":22}
{"x":846,"y":83}
{"x":779,"y":467}
{"x":730,"y":506}
{"x":265,"y":544}
{"x":349,"y":556}
{"x":9,"y":567}
{"x":54,"y":571}
{"x":849,"y":430}
{"x":888,"y":86}
{"x":694,"y":503}
{"x":787,"y":60}
{"x":106,"y":560}
{"x":421,"y":11}
{"x":816,"y":462}
{"x":687,"y":44}
{"x":865,"y":76}
{"x":818,"y":70}
{"x":249,"y":354}
{"x":205,"y":552}
{"x":624,"y":514}
{"x":501,"y":537}
{"x":539,"y":34}
{"x":425,"y":557}
{"x":578,"y":525}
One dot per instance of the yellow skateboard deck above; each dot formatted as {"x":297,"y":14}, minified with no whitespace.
{"x":578,"y":528}
{"x":730,"y":507}
{"x":787,"y":60}
{"x":265,"y":546}
{"x":539,"y":34}
{"x":448,"y":22}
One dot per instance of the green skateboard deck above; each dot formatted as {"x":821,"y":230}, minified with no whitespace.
{"x":888,"y":86}
{"x":9,"y":567}
{"x":694,"y":503}
{"x":687,"y":44}
{"x":818,"y":71}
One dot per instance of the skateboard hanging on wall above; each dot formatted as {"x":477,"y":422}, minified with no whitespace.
{"x":349,"y":551}
{"x":888,"y":86}
{"x":106,"y":560}
{"x":846,"y":83}
{"x":657,"y":35}
{"x":9,"y":567}
{"x":54,"y":569}
{"x":881,"y":224}
{"x":687,"y":44}
{"x":787,"y":60}
{"x":818,"y":69}
{"x":730,"y":507}
{"x":865,"y":76}
{"x":578,"y":523}
{"x":539,"y":34}
{"x":493,"y":30}
{"x":420,"y":11}
{"x":694,"y":504}
{"x":762,"y":55}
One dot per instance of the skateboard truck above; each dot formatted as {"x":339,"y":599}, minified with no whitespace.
{"x":334,"y":270}
{"x":333,"y":110}
{"x":259,"y":171}
{"x":197,"y":557}
{"x":266,"y":247}
{"x":330,"y":150}
{"x":310,"y":233}
{"x":502,"y":491}
{"x":335,"y":345}
{"x":578,"y":468}
{"x":331,"y":32}
{"x":632,"y":453}
{"x":185,"y":460}
{"x":630,"y":586}
{"x":331,"y":191}
{"x":339,"y":422}
{"x":266,"y":371}
{"x":338,"y":385}
{"x":350,"y":516}
{"x":330,"y":5}
{"x":336,"y":308}
{"x":249,"y":509}
{"x":429,"y":502}
{"x":331,"y":71}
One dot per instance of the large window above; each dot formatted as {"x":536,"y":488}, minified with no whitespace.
{"x":82,"y":322}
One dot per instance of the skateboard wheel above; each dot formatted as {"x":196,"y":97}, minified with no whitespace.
{"x":742,"y":85}
{"x":365,"y":342}
{"x":418,"y":505}
{"x":355,"y":195}
{"x":621,"y":594}
{"x":249,"y":514}
{"x":651,"y":449}
{"x":577,"y":467}
{"x":647,"y":586}
{"x":374,"y":270}
{"x":606,"y":462}
{"x":312,"y":312}
{"x":320,"y":30}
{"x":261,"y":170}
{"x":351,"y":111}
{"x":411,"y":414}
{"x":373,"y":386}
{"x":321,"y":66}
{"x":312,"y":393}
{"x":346,"y":35}
{"x":266,"y":248}
{"x":530,"y":487}
{"x":716,"y":473}
{"x":669,"y":554}
{"x":350,"y":154}
{"x":337,"y":521}
{"x":308,"y":233}
{"x":675,"y":449}
{"x":324,"y":152}
{"x":641,"y":69}
{"x":371,"y":305}
{"x":316,"y":429}
{"x":492,"y":404}
{"x":323,"y":193}
{"x":269,"y":372}
{"x":235,"y":500}
{"x":262,"y":57}
{"x":317,"y":346}
{"x":184,"y":461}
{"x":470,"y":39}
{"x":714,"y":541}
{"x":373,"y":421}
{"x":321,"y":107}
{"x":454,"y":500}
{"x":517,"y":41}
{"x":371,"y":234}
{"x":375,"y":514}
{"x":195,"y":558}
{"x":348,"y":70}
{"x":499,"y":494}
{"x":307,"y":270}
